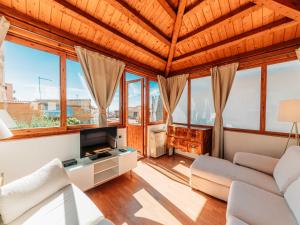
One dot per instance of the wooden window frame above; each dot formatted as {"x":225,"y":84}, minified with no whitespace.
{"x":290,"y":56}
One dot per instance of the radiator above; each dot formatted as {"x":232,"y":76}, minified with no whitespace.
{"x":157,"y":143}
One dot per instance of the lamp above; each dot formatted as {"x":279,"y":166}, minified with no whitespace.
{"x":289,"y":111}
{"x":4,"y":131}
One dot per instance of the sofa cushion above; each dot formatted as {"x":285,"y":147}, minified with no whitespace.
{"x":288,"y":168}
{"x":19,"y":196}
{"x":258,"y":207}
{"x":232,"y":220}
{"x":292,"y":196}
{"x":67,"y":206}
{"x":224,"y":172}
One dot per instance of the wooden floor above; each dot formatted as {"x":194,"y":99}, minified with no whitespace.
{"x":157,"y":192}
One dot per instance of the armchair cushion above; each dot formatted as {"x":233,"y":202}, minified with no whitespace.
{"x":287,"y":169}
{"x":19,"y":196}
{"x":292,"y":196}
{"x":258,"y":162}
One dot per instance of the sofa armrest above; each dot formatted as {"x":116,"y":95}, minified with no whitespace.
{"x":258,"y":162}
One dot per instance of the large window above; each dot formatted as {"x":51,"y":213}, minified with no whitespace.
{"x":30,"y":87}
{"x":81,"y":107}
{"x":180,"y":112}
{"x":156,"y":106}
{"x":242,"y":109}
{"x":283,"y":82}
{"x":202,"y":106}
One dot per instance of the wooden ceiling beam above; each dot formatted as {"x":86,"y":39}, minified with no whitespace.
{"x":29,"y":24}
{"x":108,"y":30}
{"x":135,"y":16}
{"x":253,"y":57}
{"x":192,"y":6}
{"x":288,"y":8}
{"x":195,"y":7}
{"x":175,"y":34}
{"x":221,"y":21}
{"x":264,"y":30}
{"x":168,"y":8}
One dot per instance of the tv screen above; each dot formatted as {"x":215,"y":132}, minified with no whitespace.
{"x":97,"y":140}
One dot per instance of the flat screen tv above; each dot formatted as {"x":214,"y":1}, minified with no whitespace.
{"x":97,"y":141}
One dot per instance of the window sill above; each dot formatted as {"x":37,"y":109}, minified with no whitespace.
{"x":42,"y":132}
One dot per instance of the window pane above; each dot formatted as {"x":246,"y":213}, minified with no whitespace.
{"x":81,"y":108}
{"x":180,"y":112}
{"x":283,"y":82}
{"x":113,"y":111}
{"x":156,"y":106}
{"x":30,"y":87}
{"x":243,"y":106}
{"x":134,"y":112}
{"x":202,"y":106}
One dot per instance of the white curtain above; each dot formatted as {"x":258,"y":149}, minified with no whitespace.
{"x":222,"y":80}
{"x":103,"y":75}
{"x":4,"y":26}
{"x":298,"y":53}
{"x":171,"y":89}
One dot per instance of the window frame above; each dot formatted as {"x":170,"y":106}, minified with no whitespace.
{"x":263,"y":95}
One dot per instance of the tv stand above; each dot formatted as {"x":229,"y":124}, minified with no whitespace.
{"x":88,"y":173}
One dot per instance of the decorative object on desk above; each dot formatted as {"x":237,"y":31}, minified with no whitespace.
{"x":289,"y":111}
{"x":69,"y":162}
{"x":4,"y":131}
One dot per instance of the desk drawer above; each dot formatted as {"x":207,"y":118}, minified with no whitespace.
{"x":194,"y":147}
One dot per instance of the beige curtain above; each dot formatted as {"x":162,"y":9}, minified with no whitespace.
{"x":103,"y":75}
{"x":4,"y":26}
{"x":298,"y":53}
{"x":222,"y":79}
{"x":171,"y":89}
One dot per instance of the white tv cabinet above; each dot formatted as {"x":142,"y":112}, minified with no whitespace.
{"x":88,"y":173}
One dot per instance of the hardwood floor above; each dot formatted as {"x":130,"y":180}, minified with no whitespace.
{"x":157,"y":192}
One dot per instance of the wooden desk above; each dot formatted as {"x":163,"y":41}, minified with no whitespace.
{"x":192,"y":140}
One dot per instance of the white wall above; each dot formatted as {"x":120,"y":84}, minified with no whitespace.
{"x":21,"y":157}
{"x":255,"y":143}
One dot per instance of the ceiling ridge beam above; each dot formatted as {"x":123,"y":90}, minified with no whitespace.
{"x":175,"y":35}
{"x":277,"y":25}
{"x":261,"y":54}
{"x":29,"y":24}
{"x":221,"y":21}
{"x":112,"y":32}
{"x":288,"y":8}
{"x":168,"y":8}
{"x":134,"y":15}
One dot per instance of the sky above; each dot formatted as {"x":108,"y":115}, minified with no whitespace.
{"x":23,"y":66}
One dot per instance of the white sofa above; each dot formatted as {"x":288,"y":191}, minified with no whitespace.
{"x":260,"y":190}
{"x":47,"y":197}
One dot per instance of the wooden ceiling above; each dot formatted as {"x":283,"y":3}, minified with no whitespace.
{"x":164,"y":36}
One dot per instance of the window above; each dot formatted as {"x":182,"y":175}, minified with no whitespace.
{"x":156,"y":106}
{"x":242,"y":109}
{"x":81,"y":107}
{"x":180,"y":112}
{"x":30,"y":87}
{"x":283,"y":82}
{"x":202,"y":105}
{"x":113,"y":111}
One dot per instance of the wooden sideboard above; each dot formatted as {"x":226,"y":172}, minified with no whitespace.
{"x":192,"y":140}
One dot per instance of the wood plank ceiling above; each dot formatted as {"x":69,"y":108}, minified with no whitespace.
{"x":167,"y":36}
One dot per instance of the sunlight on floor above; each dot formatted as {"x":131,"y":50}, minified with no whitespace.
{"x":189,"y":202}
{"x":182,"y":170}
{"x":153,"y":210}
